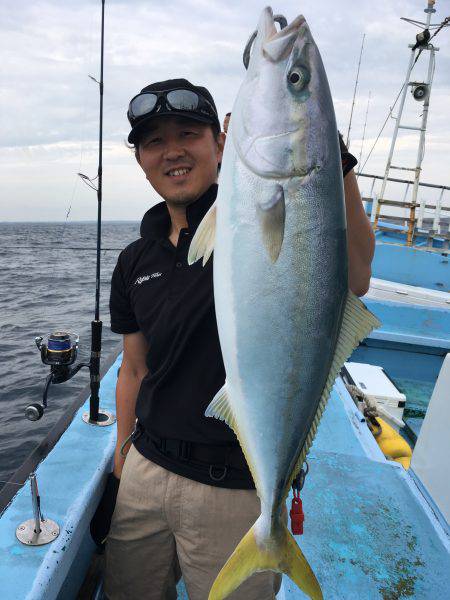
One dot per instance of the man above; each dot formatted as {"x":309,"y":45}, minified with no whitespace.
{"x":226,"y":122}
{"x":186,"y":496}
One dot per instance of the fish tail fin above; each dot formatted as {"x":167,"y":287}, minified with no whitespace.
{"x":279,"y":553}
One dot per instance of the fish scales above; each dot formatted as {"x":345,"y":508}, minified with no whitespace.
{"x":280,"y":282}
{"x":281,"y":338}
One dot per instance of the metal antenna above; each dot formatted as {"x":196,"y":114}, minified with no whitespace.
{"x":354,"y":92}
{"x":421,"y":92}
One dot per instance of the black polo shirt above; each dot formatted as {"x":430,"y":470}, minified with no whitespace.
{"x":155,"y":291}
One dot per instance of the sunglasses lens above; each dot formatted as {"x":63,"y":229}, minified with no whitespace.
{"x":183,"y":99}
{"x":143,"y":104}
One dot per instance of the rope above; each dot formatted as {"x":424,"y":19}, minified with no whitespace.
{"x":370,"y":410}
{"x":444,"y":23}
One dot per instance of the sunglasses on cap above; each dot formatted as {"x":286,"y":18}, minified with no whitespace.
{"x":146,"y":103}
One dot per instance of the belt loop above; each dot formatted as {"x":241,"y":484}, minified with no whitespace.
{"x":184,"y":450}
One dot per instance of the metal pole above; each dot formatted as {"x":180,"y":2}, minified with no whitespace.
{"x":36,"y":531}
{"x":422,"y":204}
{"x":394,"y":136}
{"x":35,"y":503}
{"x":421,"y":149}
{"x":437,"y":214}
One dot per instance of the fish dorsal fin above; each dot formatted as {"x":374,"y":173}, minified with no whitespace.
{"x":357,"y":323}
{"x":271,"y":215}
{"x":221,"y":409}
{"x":202,"y":244}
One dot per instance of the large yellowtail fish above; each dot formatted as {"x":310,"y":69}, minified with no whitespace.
{"x":287,"y":320}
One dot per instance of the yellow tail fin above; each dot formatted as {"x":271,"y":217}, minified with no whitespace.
{"x":279,"y":553}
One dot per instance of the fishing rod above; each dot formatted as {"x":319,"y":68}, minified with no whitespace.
{"x":59,"y":349}
{"x":364,"y":130}
{"x":347,"y":143}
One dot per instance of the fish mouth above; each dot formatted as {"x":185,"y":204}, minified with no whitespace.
{"x":275,"y":43}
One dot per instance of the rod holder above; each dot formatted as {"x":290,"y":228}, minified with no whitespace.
{"x":104,"y":418}
{"x":96,"y":415}
{"x":37,"y":531}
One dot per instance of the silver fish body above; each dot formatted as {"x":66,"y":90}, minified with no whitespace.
{"x":280,"y":279}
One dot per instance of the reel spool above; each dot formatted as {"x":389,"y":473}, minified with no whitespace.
{"x":59,"y":349}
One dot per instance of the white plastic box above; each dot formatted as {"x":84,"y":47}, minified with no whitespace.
{"x":377,"y":385}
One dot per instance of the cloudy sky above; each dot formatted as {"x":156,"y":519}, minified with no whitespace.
{"x":49,"y":106}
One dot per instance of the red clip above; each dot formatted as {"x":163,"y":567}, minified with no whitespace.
{"x":296,"y":514}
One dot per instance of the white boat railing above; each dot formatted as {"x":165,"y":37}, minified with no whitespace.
{"x":436,"y":212}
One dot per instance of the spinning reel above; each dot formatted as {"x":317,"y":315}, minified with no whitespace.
{"x":58,"y":351}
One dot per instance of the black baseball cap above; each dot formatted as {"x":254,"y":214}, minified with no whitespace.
{"x":210,"y":116}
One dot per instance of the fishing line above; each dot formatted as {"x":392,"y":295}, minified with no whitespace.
{"x":57,"y":241}
{"x":14,"y":482}
{"x":88,"y":62}
{"x":65,"y":248}
{"x":382,"y":128}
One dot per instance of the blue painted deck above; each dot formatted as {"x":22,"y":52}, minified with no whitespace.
{"x":410,"y":265}
{"x":411,"y":324}
{"x":368,"y":531}
{"x":70,"y":482}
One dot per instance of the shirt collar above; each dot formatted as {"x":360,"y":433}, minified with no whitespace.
{"x":156,"y":221}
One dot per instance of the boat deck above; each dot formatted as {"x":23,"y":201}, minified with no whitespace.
{"x":369,"y":533}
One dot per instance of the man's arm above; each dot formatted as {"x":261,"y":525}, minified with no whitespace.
{"x":360,"y":238}
{"x":132,"y":371}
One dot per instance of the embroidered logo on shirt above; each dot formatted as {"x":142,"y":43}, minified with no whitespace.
{"x":144,"y":278}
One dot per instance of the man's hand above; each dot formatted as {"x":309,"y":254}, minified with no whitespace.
{"x":360,"y":238}
{"x":132,"y":371}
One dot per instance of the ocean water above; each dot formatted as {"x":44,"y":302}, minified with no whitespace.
{"x":418,"y":395}
{"x":47,"y":282}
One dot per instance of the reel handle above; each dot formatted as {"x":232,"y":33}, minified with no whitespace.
{"x":34,"y":412}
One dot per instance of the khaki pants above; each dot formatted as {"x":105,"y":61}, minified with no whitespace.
{"x":163,"y":520}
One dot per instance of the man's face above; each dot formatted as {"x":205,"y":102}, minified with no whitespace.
{"x":179,"y":157}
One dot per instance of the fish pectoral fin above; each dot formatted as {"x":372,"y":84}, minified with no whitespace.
{"x":271,"y":215}
{"x":202,"y":244}
{"x":280,"y":553}
{"x":220,"y":408}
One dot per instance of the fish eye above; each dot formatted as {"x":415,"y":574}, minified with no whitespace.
{"x":298,"y":78}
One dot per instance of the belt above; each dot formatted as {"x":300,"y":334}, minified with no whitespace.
{"x":218,"y":458}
